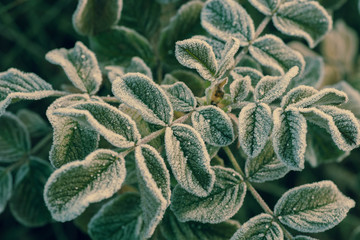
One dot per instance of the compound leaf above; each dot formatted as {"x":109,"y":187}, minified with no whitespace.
{"x":71,"y":188}
{"x":313,"y":207}
{"x":80,"y":66}
{"x":180,"y":96}
{"x":222,"y":203}
{"x":6,"y":187}
{"x":259,"y":227}
{"x":267,"y":7}
{"x":240,"y":88}
{"x":289,"y":137}
{"x":141,"y":93}
{"x":306,"y":19}
{"x":255,"y":125}
{"x":272,"y":52}
{"x":14,"y":138}
{"x":15,"y":85}
{"x":226,"y":18}
{"x":197,"y":54}
{"x":189,"y":159}
{"x":214,"y":125}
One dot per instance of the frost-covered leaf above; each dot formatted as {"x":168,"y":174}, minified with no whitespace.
{"x":197,"y":54}
{"x":216,"y":45}
{"x":226,"y":18}
{"x":227,"y":60}
{"x":120,"y":44}
{"x":137,"y":65}
{"x":114,"y":72}
{"x":270,"y":88}
{"x":266,"y":166}
{"x":27,"y":203}
{"x":289,"y":137}
{"x":180,"y":96}
{"x":71,"y":140}
{"x":6,"y":187}
{"x":222,"y":203}
{"x":254,"y":74}
{"x":300,"y":237}
{"x":297,"y":94}
{"x":71,"y":188}
{"x":80,"y":66}
{"x":154,"y":185}
{"x":189,"y":159}
{"x":353,"y":95}
{"x":141,"y":93}
{"x":34,"y":123}
{"x":255,"y":124}
{"x":15,"y":85}
{"x":267,"y":7}
{"x":172,"y":228}
{"x":314,"y":207}
{"x":272,"y":52}
{"x":14,"y":138}
{"x":306,"y":19}
{"x":92,"y":16}
{"x":342,"y":125}
{"x":240,"y":87}
{"x":262,"y":226}
{"x":119,"y":218}
{"x":115,"y":126}
{"x":313,"y":73}
{"x":214,"y":125}
{"x":327,"y":96}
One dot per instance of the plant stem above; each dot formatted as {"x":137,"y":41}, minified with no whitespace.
{"x":234,"y":162}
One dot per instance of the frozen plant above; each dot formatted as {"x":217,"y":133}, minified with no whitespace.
{"x":172,"y":154}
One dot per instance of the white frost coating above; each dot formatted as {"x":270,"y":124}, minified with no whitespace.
{"x":138,"y":65}
{"x":197,"y":54}
{"x":289,"y":137}
{"x":214,"y":125}
{"x":216,"y":45}
{"x":254,"y":74}
{"x":155,"y":195}
{"x":297,"y":94}
{"x":300,"y":237}
{"x":270,"y":88}
{"x":114,"y":72}
{"x":6,"y":187}
{"x":259,"y":227}
{"x":342,"y":125}
{"x":314,"y":207}
{"x":14,"y":139}
{"x":141,"y":93}
{"x":80,"y":66}
{"x":124,"y":133}
{"x":189,"y":160}
{"x":181,"y":97}
{"x":71,"y":188}
{"x":267,"y":7}
{"x":223,"y":202}
{"x":327,"y":96}
{"x":226,"y":18}
{"x":240,"y":87}
{"x":306,"y":19}
{"x":15,"y":84}
{"x":255,"y":125}
{"x":227,"y":56}
{"x":272,"y":52}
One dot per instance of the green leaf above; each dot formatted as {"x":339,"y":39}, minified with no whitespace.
{"x":214,"y":125}
{"x":6,"y":187}
{"x":119,"y":44}
{"x":297,"y":95}
{"x":197,"y":54}
{"x":254,"y":74}
{"x":80,"y":66}
{"x":255,"y":124}
{"x":34,"y":123}
{"x":227,"y":60}
{"x":137,"y":65}
{"x":353,"y":96}
{"x":141,"y":93}
{"x":240,"y":87}
{"x":189,"y":159}
{"x":15,"y":85}
{"x":93,"y":16}
{"x":270,"y":88}
{"x":154,"y":185}
{"x":14,"y":138}
{"x":289,"y":137}
{"x":262,"y":226}
{"x":226,"y":18}
{"x":272,"y":52}
{"x":180,"y":96}
{"x":27,"y":203}
{"x":71,"y":188}
{"x":222,"y":203}
{"x":313,"y":73}
{"x":266,"y":166}
{"x":314,"y":207}
{"x":303,"y":238}
{"x":173,"y":229}
{"x":119,"y":218}
{"x":217,"y":45}
{"x":192,"y":80}
{"x":267,"y":7}
{"x":71,"y":140}
{"x":306,"y":19}
{"x":116,"y":127}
